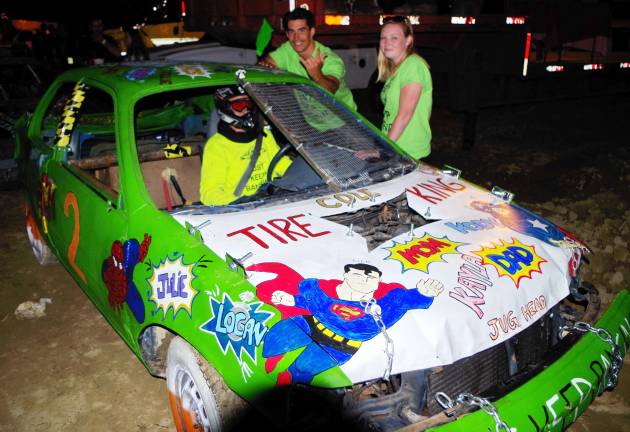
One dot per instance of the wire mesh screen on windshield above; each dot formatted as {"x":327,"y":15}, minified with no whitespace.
{"x":343,"y":148}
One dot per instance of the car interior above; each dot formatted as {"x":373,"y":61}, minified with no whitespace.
{"x":171,"y":129}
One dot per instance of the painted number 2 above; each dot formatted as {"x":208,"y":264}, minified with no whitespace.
{"x":71,"y":201}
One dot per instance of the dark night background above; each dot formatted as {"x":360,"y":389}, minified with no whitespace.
{"x":113,"y":12}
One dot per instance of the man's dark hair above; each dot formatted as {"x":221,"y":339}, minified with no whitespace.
{"x":298,"y":14}
{"x":366,"y":268}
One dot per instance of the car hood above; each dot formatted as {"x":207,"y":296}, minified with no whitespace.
{"x":495,"y":267}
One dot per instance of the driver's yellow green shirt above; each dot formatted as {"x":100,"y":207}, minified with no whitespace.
{"x":224,"y":162}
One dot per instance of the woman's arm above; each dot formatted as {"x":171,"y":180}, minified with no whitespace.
{"x":409,"y":98}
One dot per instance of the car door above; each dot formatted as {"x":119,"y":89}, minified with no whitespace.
{"x":84,"y":216}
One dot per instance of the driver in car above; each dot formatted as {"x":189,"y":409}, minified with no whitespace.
{"x":237,"y":158}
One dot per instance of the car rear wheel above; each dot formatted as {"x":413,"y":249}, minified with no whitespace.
{"x":199,"y":399}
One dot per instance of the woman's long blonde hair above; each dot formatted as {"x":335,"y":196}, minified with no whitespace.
{"x":386,"y":67}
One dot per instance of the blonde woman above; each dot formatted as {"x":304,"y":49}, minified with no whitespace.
{"x":408,"y":91}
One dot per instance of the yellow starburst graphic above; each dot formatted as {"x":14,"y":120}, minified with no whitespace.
{"x":418,"y":253}
{"x":192,"y":70}
{"x":514,"y":260}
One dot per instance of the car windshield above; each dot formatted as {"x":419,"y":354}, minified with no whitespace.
{"x":189,"y":153}
{"x":338,"y":145}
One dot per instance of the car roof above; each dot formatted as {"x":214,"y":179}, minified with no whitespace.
{"x":123,"y":77}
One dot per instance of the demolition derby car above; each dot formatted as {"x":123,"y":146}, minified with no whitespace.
{"x":393,"y":293}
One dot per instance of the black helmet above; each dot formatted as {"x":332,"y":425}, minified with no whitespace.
{"x":229,"y":102}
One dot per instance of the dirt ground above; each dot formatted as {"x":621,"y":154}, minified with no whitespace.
{"x":569,"y":160}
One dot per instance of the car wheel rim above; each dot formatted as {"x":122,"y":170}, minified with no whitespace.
{"x":191,"y":400}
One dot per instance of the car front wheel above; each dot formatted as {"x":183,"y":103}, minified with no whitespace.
{"x":199,"y":399}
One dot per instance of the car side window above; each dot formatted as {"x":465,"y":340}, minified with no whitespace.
{"x":93,"y":133}
{"x":84,"y":122}
{"x":54,"y":113}
{"x":171,"y":129}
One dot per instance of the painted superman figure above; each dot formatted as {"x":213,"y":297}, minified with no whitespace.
{"x":330,"y":318}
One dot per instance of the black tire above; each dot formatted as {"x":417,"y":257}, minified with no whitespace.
{"x":199,"y":398}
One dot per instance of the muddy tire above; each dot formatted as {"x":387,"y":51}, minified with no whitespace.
{"x":199,"y":399}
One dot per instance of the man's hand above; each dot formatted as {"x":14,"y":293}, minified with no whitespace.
{"x":267,"y":62}
{"x":430,"y":287}
{"x":313,"y":65}
{"x":282,"y":298}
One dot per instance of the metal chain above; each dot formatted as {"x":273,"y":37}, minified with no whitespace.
{"x":487,"y":407}
{"x":470,"y":400}
{"x":372,"y":308}
{"x":612,"y":377}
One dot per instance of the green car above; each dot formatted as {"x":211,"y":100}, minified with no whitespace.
{"x":312,"y":270}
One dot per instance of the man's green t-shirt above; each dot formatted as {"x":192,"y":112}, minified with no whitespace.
{"x":416,"y":138}
{"x":287,"y":59}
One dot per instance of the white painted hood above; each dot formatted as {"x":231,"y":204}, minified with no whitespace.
{"x":500,"y":267}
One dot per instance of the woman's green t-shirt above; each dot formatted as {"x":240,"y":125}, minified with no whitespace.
{"x":416,"y":138}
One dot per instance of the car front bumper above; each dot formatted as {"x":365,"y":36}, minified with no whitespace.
{"x":554,"y":398}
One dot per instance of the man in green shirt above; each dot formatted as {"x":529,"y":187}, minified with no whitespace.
{"x":304,"y":56}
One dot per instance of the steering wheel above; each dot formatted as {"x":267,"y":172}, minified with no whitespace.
{"x":272,"y":165}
